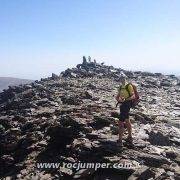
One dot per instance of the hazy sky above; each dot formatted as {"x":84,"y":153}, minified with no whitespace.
{"x":38,"y":37}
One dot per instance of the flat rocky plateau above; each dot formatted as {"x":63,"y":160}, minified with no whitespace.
{"x":72,"y":117}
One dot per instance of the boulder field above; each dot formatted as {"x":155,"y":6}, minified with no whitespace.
{"x":72,"y":117}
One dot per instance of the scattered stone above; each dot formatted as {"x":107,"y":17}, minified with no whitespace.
{"x":153,"y":160}
{"x":100,"y":122}
{"x":54,"y":76}
{"x":143,"y":172}
{"x":158,"y":139}
{"x":166,"y":83}
{"x":73,"y":118}
{"x":83,"y":173}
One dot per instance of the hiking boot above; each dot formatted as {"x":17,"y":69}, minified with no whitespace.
{"x":119,"y":144}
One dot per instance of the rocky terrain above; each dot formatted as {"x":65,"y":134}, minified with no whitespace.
{"x":73,"y":118}
{"x":9,"y":81}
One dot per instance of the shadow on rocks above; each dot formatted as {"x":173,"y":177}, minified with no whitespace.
{"x":159,"y":139}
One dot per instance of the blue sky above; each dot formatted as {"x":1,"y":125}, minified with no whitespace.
{"x":38,"y":37}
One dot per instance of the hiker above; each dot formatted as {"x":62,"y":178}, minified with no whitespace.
{"x":84,"y":61}
{"x":124,"y":97}
{"x":89,"y":59}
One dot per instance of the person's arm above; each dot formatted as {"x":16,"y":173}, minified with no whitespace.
{"x":131,"y":97}
{"x":118,"y":98}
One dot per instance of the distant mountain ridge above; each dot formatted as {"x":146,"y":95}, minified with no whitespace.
{"x":10,"y":81}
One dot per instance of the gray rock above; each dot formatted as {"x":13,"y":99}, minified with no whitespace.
{"x":159,"y":139}
{"x":143,"y":172}
{"x":166,"y":83}
{"x":100,"y":122}
{"x":73,"y":118}
{"x":54,"y":76}
{"x":83,"y":173}
{"x":153,"y":160}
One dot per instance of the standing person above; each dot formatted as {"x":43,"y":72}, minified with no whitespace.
{"x":124,"y":97}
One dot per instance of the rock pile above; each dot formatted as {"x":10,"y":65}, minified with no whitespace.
{"x":73,"y":118}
